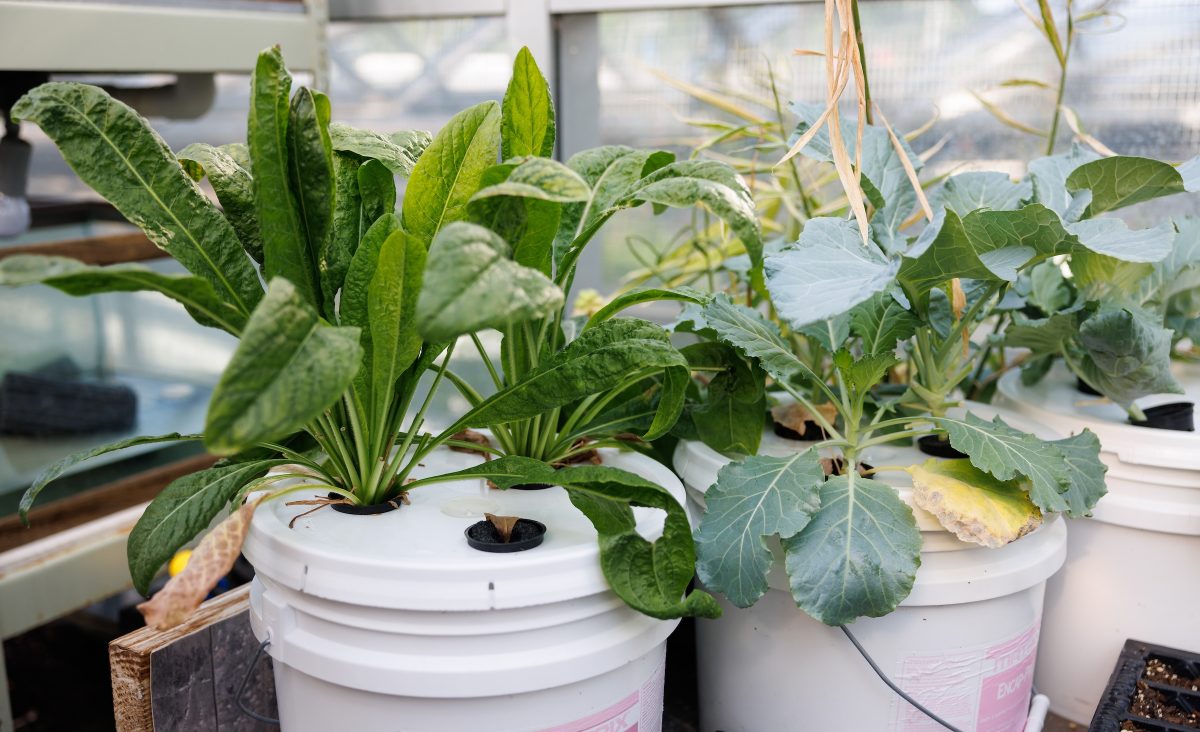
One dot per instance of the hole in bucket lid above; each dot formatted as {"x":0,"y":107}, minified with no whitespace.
{"x":937,"y":447}
{"x":1083,"y":387}
{"x":375,"y":509}
{"x":1178,"y":416}
{"x":485,"y":536}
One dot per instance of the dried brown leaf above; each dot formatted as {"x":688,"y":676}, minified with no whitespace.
{"x":504,"y":524}
{"x":473,"y":437}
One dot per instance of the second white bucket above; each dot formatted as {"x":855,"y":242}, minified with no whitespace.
{"x":391,"y":622}
{"x":963,"y":643}
{"x":1130,"y":570}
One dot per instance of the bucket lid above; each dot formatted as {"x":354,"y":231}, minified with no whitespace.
{"x":416,"y":557}
{"x":1055,"y":402}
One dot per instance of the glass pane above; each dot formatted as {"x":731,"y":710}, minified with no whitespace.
{"x":1137,"y":89}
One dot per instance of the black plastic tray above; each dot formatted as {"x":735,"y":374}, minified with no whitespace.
{"x":1114,"y":705}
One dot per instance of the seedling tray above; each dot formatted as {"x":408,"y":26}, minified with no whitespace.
{"x":1152,"y":689}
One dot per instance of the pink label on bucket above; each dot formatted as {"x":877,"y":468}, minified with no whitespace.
{"x":985,"y":689}
{"x":641,"y":711}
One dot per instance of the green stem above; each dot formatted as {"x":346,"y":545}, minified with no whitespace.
{"x":862,"y":56}
{"x":487,"y":361}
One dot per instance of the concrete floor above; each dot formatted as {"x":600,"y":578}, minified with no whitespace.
{"x":1058,"y":724}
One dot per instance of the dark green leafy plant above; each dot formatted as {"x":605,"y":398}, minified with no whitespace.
{"x":361,"y":302}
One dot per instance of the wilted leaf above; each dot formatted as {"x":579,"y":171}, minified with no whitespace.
{"x":972,"y":504}
{"x":504,"y":525}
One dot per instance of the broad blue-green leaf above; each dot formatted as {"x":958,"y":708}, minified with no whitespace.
{"x":115,"y":152}
{"x":527,"y":113}
{"x":392,"y":304}
{"x":1049,"y":178}
{"x":747,"y":331}
{"x":651,"y":577}
{"x":1085,"y":473}
{"x":860,"y":374}
{"x":181,"y":511}
{"x":831,"y":333}
{"x":311,"y":177}
{"x":1048,"y":288}
{"x":829,"y":272}
{"x":76,"y":278}
{"x":941,"y":253}
{"x":345,"y":228}
{"x":1008,"y":453}
{"x":882,"y":167}
{"x":287,"y":369}
{"x":967,"y":192}
{"x":286,"y":251}
{"x":1190,"y":172}
{"x":371,"y":145}
{"x":1099,"y":277}
{"x":62,"y":465}
{"x":881,"y":323}
{"x":637,"y":297}
{"x":972,"y":504}
{"x":234,"y":188}
{"x":753,"y":500}
{"x":730,"y":416}
{"x":1043,"y":336}
{"x":600,"y":359}
{"x":471,"y":284}
{"x":377,"y":190}
{"x":1112,"y":237}
{"x":859,"y":554}
{"x":449,"y":171}
{"x":1180,"y":270}
{"x":1128,"y":354}
{"x":1123,"y":181}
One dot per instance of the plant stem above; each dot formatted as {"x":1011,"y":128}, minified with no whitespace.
{"x":862,"y":57}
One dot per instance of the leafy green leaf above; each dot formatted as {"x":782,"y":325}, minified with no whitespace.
{"x":115,"y":152}
{"x":76,"y":278}
{"x":1121,"y":181}
{"x":1045,"y":336}
{"x":377,"y":190}
{"x":1099,"y":277}
{"x":234,"y":188}
{"x":449,"y":171}
{"x":413,"y":142}
{"x":345,"y":228}
{"x":829,"y":272}
{"x":471,"y":284}
{"x":831,"y":333}
{"x":181,"y":511}
{"x":651,"y":577}
{"x":311,"y":176}
{"x":1085,"y":473}
{"x":1048,"y":288}
{"x":371,"y":145}
{"x":355,"y":302}
{"x":881,"y":323}
{"x":972,"y":504}
{"x":60,"y":466}
{"x":1007,"y":454}
{"x":538,"y":178}
{"x":286,"y":251}
{"x":391,"y":304}
{"x":860,"y":374}
{"x":287,"y":369}
{"x":637,"y":297}
{"x":857,"y":556}
{"x":730,"y":416}
{"x":600,"y":359}
{"x":527,"y":114}
{"x":754,"y":499}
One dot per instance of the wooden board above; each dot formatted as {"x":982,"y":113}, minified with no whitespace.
{"x":186,"y":679}
{"x":105,"y":249}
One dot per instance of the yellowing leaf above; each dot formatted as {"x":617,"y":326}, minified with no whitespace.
{"x":210,"y":561}
{"x":973,"y":505}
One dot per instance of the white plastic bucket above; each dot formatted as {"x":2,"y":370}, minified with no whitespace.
{"x":1131,"y":569}
{"x":963,"y":643}
{"x":391,"y":622}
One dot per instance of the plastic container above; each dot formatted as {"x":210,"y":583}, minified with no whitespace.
{"x":963,"y":643}
{"x":392,"y":622}
{"x":1165,"y":675}
{"x":1131,"y":569}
